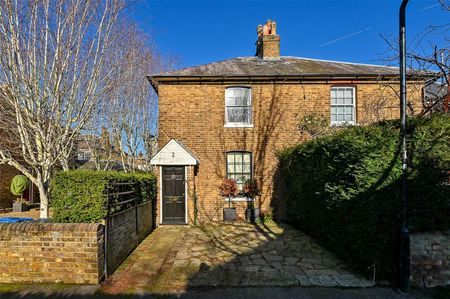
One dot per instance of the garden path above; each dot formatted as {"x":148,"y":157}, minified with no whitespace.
{"x":176,"y":258}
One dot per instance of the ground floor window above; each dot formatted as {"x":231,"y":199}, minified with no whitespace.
{"x":239,"y":167}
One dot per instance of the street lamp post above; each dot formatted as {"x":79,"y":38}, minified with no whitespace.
{"x":404,"y":252}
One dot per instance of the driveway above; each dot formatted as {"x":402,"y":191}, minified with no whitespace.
{"x":177,"y":258}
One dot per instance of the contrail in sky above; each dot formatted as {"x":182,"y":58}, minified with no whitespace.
{"x":429,"y":7}
{"x":345,"y":36}
{"x":368,"y":28}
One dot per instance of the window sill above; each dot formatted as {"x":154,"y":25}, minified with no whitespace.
{"x":236,"y":125}
{"x":240,"y":199}
{"x":342,"y":123}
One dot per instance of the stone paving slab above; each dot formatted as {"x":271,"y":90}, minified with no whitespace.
{"x":230,"y":255}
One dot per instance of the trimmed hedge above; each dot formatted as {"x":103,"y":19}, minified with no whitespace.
{"x":81,"y":195}
{"x":345,"y":189}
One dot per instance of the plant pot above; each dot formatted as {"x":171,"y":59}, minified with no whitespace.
{"x":252,"y":214}
{"x":229,"y":214}
{"x":20,"y":207}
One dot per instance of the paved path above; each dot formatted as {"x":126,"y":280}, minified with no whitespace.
{"x":175,"y":258}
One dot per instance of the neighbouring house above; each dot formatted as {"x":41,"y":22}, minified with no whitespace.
{"x":97,"y":152}
{"x":228,"y":119}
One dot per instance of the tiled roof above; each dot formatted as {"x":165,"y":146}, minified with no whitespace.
{"x":284,"y":66}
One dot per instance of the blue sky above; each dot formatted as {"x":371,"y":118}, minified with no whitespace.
{"x":199,"y":32}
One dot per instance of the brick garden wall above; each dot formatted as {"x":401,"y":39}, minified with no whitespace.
{"x":125,"y":231}
{"x":194,"y":114}
{"x":146,"y":221}
{"x":70,"y":252}
{"x":430,"y":259}
{"x":51,"y":252}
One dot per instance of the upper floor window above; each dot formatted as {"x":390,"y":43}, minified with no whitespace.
{"x":342,"y":105}
{"x":238,"y":107}
{"x":83,"y":156}
{"x":239,"y":167}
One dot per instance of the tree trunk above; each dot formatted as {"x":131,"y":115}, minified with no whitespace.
{"x":64,"y":163}
{"x":44,"y":197}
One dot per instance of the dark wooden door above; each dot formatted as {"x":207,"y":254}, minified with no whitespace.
{"x":173,"y":198}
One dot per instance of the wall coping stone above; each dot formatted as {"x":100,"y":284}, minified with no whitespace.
{"x":41,"y":227}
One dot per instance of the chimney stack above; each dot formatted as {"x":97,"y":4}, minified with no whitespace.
{"x":268,"y":43}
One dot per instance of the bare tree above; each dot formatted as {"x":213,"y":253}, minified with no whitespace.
{"x":129,"y":111}
{"x":52,"y":71}
{"x":427,"y":59}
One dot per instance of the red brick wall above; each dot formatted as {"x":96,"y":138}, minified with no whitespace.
{"x":51,"y":252}
{"x":194,"y":114}
{"x":430,"y":259}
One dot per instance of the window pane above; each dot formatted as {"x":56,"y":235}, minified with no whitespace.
{"x":238,"y":158}
{"x":333,"y":118}
{"x":239,"y":114}
{"x":340,"y":117}
{"x":247,"y":157}
{"x":340,"y":110}
{"x":348,"y":117}
{"x":333,"y":110}
{"x":333,"y":93}
{"x":230,"y":168}
{"x":230,"y":158}
{"x":348,"y":93}
{"x":237,"y":97}
{"x":246,"y":168}
{"x":349,"y":101}
{"x":348,"y":110}
{"x":238,"y":168}
{"x":246,"y":177}
{"x":237,"y":101}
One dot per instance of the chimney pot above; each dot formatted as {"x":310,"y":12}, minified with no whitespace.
{"x":274,"y":28}
{"x":268,"y":43}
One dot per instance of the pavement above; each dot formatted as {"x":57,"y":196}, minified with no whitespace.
{"x":85,"y":292}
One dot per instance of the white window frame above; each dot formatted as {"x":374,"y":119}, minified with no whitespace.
{"x":238,"y":124}
{"x":242,"y":153}
{"x":353,"y":105}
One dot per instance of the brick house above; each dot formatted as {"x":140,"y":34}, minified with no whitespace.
{"x":229,"y":119}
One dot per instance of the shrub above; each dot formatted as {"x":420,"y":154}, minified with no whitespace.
{"x":345,"y":189}
{"x":82,"y":195}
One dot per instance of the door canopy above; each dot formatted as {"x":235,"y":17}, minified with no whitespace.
{"x":174,"y":153}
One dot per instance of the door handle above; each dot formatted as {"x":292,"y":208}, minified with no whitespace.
{"x":172,"y":198}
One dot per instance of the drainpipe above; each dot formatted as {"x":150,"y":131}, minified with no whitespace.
{"x":404,"y":249}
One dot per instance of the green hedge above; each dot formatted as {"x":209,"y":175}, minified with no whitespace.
{"x":345,"y":189}
{"x":81,"y":195}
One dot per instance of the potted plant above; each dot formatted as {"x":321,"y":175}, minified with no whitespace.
{"x":251,"y":191}
{"x":19,"y":184}
{"x":229,"y":189}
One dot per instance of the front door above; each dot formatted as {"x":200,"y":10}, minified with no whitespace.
{"x":173,"y":194}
